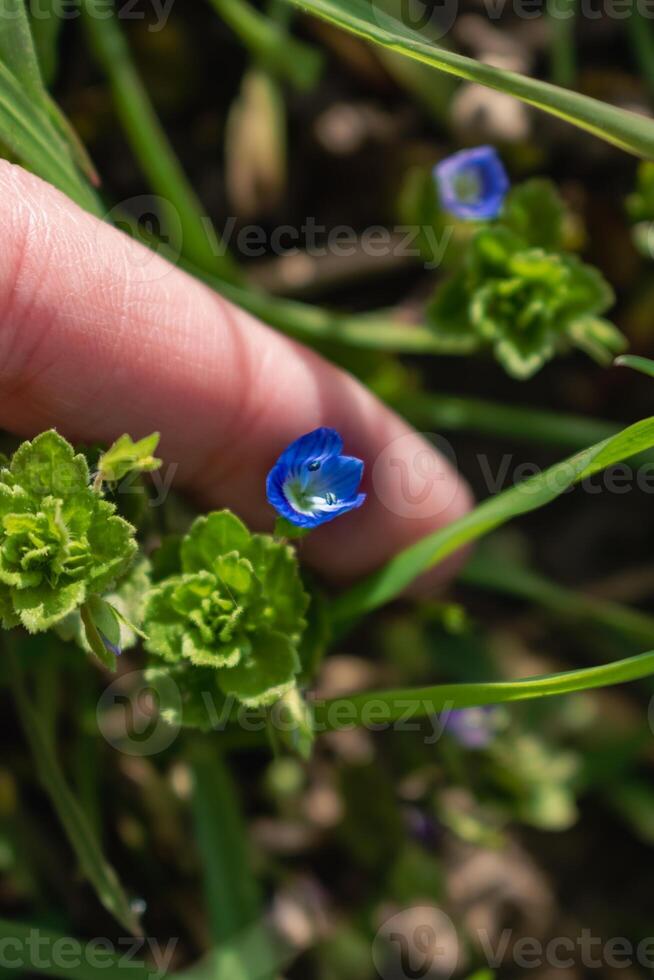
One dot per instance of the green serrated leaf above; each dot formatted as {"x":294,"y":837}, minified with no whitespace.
{"x":521,"y":357}
{"x":235,"y":572}
{"x":599,"y":338}
{"x":126,"y":456}
{"x":266,"y":674}
{"x":216,"y":534}
{"x":112,"y":542}
{"x":236,"y":589}
{"x":448,"y":315}
{"x":48,"y":466}
{"x":284,"y":529}
{"x":202,"y":654}
{"x":276,"y":566}
{"x":59,"y":541}
{"x":40,"y":608}
{"x":164,"y":625}
{"x":535,"y":211}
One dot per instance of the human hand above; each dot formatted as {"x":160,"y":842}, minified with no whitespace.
{"x":99,"y":336}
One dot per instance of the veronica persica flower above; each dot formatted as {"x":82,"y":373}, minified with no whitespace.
{"x":312,"y":483}
{"x":472,"y":183}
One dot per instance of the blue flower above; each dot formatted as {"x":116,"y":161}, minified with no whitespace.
{"x":311,"y":482}
{"x":472,"y":183}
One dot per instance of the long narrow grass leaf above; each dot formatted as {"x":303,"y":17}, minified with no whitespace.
{"x":389,"y":581}
{"x":628,"y":130}
{"x":419,"y":702}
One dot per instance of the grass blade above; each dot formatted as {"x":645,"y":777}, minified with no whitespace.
{"x":232,"y":894}
{"x":150,"y":143}
{"x":627,"y":130}
{"x":346,"y":712}
{"x":269,"y":44}
{"x":389,"y":581}
{"x":496,"y":573}
{"x":642,"y":364}
{"x":92,"y":861}
{"x":112,"y":966}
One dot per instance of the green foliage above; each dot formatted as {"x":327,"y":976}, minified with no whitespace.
{"x":515,"y":294}
{"x":640,"y":203}
{"x":126,"y":456}
{"x":389,"y":581}
{"x":535,"y":211}
{"x":628,"y":130}
{"x":643,"y":364}
{"x":235,"y":605}
{"x":113,"y":616}
{"x":32,"y":127}
{"x":60,"y":542}
{"x":640,"y":208}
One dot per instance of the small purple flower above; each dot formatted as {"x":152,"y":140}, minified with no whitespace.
{"x":312,"y":483}
{"x":472,"y":183}
{"x":473,"y":728}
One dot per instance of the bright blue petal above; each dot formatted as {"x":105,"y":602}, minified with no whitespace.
{"x":482,"y":168}
{"x":340,"y":475}
{"x":329,"y":515}
{"x":319,"y":444}
{"x":311,"y":483}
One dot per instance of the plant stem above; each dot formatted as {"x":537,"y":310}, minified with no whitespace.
{"x":639,"y":31}
{"x":345,"y":712}
{"x":564,"y":430}
{"x":232,"y":893}
{"x":497,"y":574}
{"x":270,"y":44}
{"x":562,"y":15}
{"x":93,"y":863}
{"x":370,"y":331}
{"x":151,"y":145}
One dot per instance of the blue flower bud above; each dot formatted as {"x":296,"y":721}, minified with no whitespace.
{"x":472,"y":184}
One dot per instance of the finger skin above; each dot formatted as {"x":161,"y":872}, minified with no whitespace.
{"x":99,"y":336}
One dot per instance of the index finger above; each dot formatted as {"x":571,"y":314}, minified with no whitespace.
{"x":98,"y":336}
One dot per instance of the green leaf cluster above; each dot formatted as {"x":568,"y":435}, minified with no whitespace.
{"x":640,"y":208}
{"x":640,"y":203}
{"x":60,"y":542}
{"x":126,"y":456}
{"x":236,"y":604}
{"x":518,"y":294}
